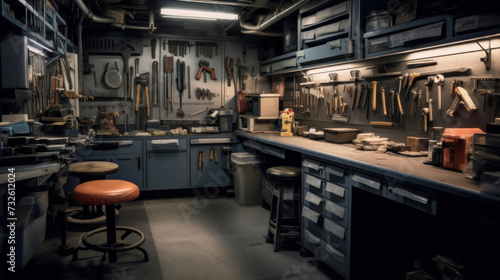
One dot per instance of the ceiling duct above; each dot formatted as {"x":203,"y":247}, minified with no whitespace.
{"x":273,"y":17}
{"x":112,"y":20}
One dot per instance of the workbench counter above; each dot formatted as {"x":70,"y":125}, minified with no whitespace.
{"x":389,"y":165}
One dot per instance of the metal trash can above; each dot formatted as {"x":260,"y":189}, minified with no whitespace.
{"x":247,"y":177}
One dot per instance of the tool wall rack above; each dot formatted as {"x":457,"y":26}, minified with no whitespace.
{"x":39,"y":21}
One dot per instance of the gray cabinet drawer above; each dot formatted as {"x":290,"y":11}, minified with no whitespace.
{"x":313,"y":167}
{"x":273,"y":151}
{"x":368,"y":183}
{"x":337,"y":193}
{"x":422,"y":200}
{"x":313,"y":184}
{"x":336,"y":212}
{"x":124,"y":147}
{"x":310,"y":241}
{"x":313,"y":201}
{"x":166,"y":144}
{"x":326,"y":208}
{"x":336,"y":259}
{"x":336,"y":174}
{"x":311,"y":220}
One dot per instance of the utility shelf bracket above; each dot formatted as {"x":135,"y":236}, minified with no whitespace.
{"x":487,"y":58}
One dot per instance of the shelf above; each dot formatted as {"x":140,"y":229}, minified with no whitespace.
{"x":405,"y":26}
{"x":41,"y":24}
{"x":342,"y":48}
{"x":326,"y":21}
{"x":278,"y":58}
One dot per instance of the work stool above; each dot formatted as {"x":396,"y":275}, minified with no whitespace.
{"x":284,"y":219}
{"x":109,"y":193}
{"x":90,"y":216}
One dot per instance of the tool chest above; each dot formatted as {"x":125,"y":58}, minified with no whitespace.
{"x":325,"y":213}
{"x":326,"y":31}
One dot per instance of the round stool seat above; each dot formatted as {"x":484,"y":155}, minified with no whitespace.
{"x":92,"y":168}
{"x":283,"y":173}
{"x":105,"y":192}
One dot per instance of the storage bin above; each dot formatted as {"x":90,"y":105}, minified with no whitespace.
{"x":265,"y":104}
{"x":340,"y":135}
{"x":457,"y":143}
{"x":247,"y":177}
{"x":30,"y":225}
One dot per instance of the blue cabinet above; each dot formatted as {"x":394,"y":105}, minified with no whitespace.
{"x":167,"y":164}
{"x":128,"y":157}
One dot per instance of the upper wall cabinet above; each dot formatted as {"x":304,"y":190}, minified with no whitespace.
{"x":327,"y":32}
{"x":39,"y":21}
{"x":416,"y":24}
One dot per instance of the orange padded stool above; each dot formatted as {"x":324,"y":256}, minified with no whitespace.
{"x":91,"y":171}
{"x":109,"y":193}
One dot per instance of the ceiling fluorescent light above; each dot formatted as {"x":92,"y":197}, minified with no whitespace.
{"x":195,"y":14}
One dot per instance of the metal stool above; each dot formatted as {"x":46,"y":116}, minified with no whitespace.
{"x":109,"y":193}
{"x":90,"y":171}
{"x":284,"y":219}
{"x":90,"y":215}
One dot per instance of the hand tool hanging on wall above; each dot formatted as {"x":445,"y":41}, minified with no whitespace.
{"x":189,"y":82}
{"x":204,"y":68}
{"x":206,"y":49}
{"x":153,"y":48}
{"x":169,"y":69}
{"x":461,"y":97}
{"x":384,"y":106}
{"x":201,"y":159}
{"x":374,"y":95}
{"x":154,"y":82}
{"x":213,"y":154}
{"x":415,"y":76}
{"x":136,"y":70}
{"x":131,"y":75}
{"x":177,"y":47}
{"x":181,"y":85}
{"x":112,"y":77}
{"x":126,"y":53}
{"x":142,"y":82}
{"x":228,"y":64}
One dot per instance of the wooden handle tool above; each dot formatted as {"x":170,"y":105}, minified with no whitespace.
{"x":374,"y":96}
{"x":137,"y":96}
{"x":382,"y":92}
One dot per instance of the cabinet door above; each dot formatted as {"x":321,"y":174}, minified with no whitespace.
{"x":130,"y":169}
{"x":211,"y":173}
{"x":167,"y":171}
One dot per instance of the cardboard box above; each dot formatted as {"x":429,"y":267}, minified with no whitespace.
{"x":457,"y":144}
{"x":417,"y":144}
{"x":265,"y":104}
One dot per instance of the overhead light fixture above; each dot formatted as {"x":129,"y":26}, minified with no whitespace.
{"x":197,"y":14}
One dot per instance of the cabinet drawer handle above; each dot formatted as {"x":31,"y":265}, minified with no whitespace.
{"x":409,"y":195}
{"x":311,"y":164}
{"x":366,"y":180}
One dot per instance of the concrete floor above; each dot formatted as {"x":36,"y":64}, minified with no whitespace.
{"x":191,"y":237}
{"x":218,"y":238}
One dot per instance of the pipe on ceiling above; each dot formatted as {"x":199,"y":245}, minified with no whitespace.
{"x":272,"y":18}
{"x":111,"y":21}
{"x":95,"y":18}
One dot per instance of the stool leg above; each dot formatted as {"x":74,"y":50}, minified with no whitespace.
{"x":279,"y":215}
{"x":272,"y":216}
{"x":111,"y":230}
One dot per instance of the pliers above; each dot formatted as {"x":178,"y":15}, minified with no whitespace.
{"x":229,"y":69}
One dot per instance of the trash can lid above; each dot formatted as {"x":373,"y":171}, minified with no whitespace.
{"x":245,"y":157}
